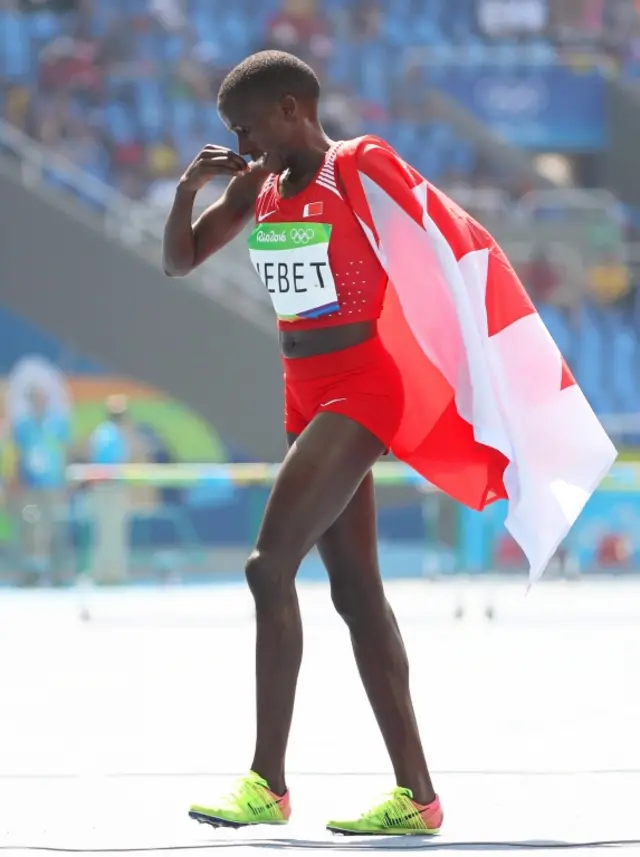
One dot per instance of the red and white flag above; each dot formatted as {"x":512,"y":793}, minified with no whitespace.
{"x":493,"y":410}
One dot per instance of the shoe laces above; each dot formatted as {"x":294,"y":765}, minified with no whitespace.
{"x":394,"y":804}
{"x":244,"y":789}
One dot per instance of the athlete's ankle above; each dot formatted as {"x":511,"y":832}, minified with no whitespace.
{"x":423,"y":795}
{"x":275,"y":781}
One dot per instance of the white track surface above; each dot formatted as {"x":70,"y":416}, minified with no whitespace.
{"x":110,"y":729}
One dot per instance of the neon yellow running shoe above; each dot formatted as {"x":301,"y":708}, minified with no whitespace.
{"x":398,"y":815}
{"x":250,"y":802}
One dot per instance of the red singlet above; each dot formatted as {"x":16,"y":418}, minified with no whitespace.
{"x":320,"y":270}
{"x":306,"y":301}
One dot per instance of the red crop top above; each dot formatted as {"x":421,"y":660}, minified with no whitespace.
{"x":320,"y":270}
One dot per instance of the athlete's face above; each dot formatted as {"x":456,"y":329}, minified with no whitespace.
{"x":264,"y":130}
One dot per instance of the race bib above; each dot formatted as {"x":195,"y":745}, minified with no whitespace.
{"x":292,"y":260}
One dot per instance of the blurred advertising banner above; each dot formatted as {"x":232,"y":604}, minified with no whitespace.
{"x":553,"y":108}
{"x":569,"y":20}
{"x":508,"y":18}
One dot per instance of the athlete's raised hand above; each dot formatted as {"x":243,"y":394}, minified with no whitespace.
{"x":187,"y":244}
{"x":212,"y":162}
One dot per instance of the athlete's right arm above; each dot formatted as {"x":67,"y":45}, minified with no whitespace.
{"x":186,"y":244}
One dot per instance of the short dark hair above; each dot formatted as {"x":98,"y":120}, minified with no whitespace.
{"x":272,"y":75}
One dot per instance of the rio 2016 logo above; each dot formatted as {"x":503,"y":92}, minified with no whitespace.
{"x":271,"y":237}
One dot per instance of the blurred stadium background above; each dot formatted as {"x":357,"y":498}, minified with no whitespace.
{"x":526,"y":111}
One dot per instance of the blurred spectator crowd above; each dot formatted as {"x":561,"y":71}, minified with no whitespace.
{"x":125,"y":90}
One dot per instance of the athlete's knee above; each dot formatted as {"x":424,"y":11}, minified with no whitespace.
{"x":270,"y":575}
{"x":357,"y":603}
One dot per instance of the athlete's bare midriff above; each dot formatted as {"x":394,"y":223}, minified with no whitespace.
{"x":324,"y":340}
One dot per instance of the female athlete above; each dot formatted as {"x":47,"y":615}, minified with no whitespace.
{"x":344,"y":400}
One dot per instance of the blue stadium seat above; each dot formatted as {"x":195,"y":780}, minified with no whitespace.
{"x":476,"y":54}
{"x":149,"y":47}
{"x":402,"y":136}
{"x":373,"y":74}
{"x":104,"y":12}
{"x":237,"y":30}
{"x":431,"y":162}
{"x":120,"y":123}
{"x":341,"y":63}
{"x":537,"y":53}
{"x":378,"y":128}
{"x":624,"y":363}
{"x":589,"y":359}
{"x":136,"y":8}
{"x":440,"y":135}
{"x":442,"y":60}
{"x":462,"y":157}
{"x":395,"y":22}
{"x":458,"y":19}
{"x":557,"y":326}
{"x":173,"y":48}
{"x":632,"y":69}
{"x":16,"y":60}
{"x":150,"y":108}
{"x":44,"y":26}
{"x":505,"y":55}
{"x":425,"y":31}
{"x":216,"y":131}
{"x":183,"y":113}
{"x":204,"y":27}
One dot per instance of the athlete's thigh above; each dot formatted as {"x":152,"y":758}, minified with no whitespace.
{"x":349,"y":547}
{"x":319,"y":476}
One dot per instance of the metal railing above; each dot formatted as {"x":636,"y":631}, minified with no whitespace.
{"x":228,"y":279}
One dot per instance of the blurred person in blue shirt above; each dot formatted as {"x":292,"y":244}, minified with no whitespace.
{"x":41,"y":437}
{"x":110,"y":441}
{"x":113,"y":442}
{"x":7,"y":482}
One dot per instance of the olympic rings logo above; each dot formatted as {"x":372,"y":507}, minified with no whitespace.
{"x":301,"y":236}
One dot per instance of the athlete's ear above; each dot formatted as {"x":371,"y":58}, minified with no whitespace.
{"x":289,"y":107}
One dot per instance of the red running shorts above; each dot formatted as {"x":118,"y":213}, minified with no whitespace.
{"x":361,"y":382}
